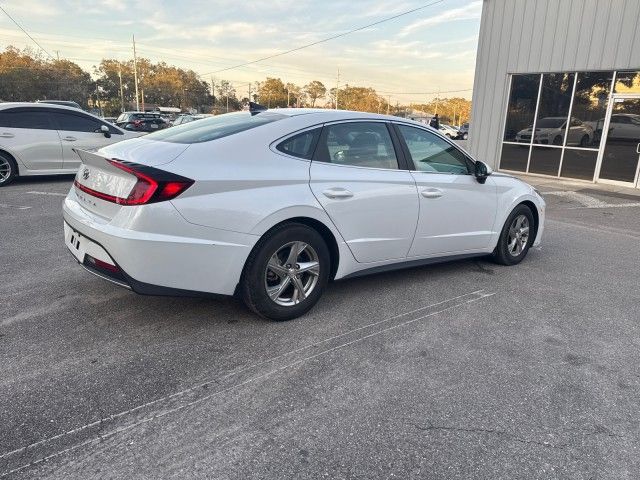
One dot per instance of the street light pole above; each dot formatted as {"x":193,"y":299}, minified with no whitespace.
{"x":135,"y":73}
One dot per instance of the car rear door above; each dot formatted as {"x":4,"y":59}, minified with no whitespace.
{"x":80,"y":131}
{"x":357,"y":176}
{"x":29,"y":135}
{"x":457,"y":213}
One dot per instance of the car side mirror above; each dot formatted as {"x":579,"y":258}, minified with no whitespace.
{"x":482,"y":171}
{"x":105,"y":131}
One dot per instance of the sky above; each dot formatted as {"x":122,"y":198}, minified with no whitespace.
{"x":406,"y":59}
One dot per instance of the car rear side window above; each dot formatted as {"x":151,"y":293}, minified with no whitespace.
{"x":23,"y":118}
{"x":213,"y":128}
{"x":301,"y":145}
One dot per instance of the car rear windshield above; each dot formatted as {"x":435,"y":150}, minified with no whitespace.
{"x":212,"y":128}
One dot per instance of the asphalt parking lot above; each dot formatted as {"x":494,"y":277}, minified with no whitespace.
{"x":461,"y":370}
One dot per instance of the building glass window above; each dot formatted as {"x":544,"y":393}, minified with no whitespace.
{"x":522,"y":104}
{"x":579,"y":163}
{"x":545,"y":160}
{"x":514,"y":157}
{"x":553,"y":109}
{"x":566,"y":134}
{"x":589,"y":109}
{"x":627,"y":82}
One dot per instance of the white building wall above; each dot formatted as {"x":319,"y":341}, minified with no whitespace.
{"x":537,"y":36}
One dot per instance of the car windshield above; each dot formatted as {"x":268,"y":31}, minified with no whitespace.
{"x":550,"y":122}
{"x":212,"y":128}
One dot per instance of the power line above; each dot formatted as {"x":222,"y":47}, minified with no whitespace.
{"x":26,"y":33}
{"x":428,"y":93}
{"x":333,"y":37}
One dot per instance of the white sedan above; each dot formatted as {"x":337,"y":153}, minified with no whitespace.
{"x":270,"y":205}
{"x":39,"y":138}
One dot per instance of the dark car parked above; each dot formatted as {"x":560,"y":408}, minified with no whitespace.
{"x":463,"y":132}
{"x":141,"y":121}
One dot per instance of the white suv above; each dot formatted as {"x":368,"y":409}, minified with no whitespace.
{"x":39,"y":139}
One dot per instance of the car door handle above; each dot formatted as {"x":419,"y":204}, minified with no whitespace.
{"x":337,"y":193}
{"x":7,"y":135}
{"x":432,"y":193}
{"x":637,"y":146}
{"x":69,"y":139}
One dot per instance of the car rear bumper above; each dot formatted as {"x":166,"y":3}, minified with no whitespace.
{"x":177,"y":259}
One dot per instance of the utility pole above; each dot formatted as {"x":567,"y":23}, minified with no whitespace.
{"x":388,"y":103}
{"x":121,"y":90}
{"x":437,"y":101}
{"x":213,"y":92}
{"x":98,"y":99}
{"x":288,"y":97}
{"x":337,"y":87}
{"x":135,"y":73}
{"x":57,"y":54}
{"x":249,"y":91}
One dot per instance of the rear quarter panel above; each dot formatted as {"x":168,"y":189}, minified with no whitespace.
{"x":244,"y":186}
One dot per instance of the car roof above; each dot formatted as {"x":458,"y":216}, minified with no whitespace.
{"x":329,"y":115}
{"x":39,"y":105}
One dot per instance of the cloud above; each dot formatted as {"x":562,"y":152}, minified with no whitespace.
{"x":26,"y":9}
{"x":472,"y":11}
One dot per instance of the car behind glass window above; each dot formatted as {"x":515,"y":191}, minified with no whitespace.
{"x":431,"y":153}
{"x":361,"y":144}
{"x":213,"y":128}
{"x":25,"y":118}
{"x":301,"y":145}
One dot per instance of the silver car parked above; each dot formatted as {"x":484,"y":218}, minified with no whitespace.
{"x":39,"y":139}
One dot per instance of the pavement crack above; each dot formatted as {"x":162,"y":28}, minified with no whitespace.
{"x":490,"y":431}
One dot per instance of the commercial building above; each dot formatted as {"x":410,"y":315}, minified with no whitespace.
{"x":557,"y":89}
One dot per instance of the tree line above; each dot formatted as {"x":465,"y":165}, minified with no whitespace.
{"x":25,"y":75}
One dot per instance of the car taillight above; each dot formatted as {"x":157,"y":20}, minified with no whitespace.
{"x":152,"y":185}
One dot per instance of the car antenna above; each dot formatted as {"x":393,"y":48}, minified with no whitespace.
{"x":256,"y":108}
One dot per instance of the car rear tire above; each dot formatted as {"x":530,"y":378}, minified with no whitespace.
{"x":584,"y":141}
{"x":8,"y":169}
{"x":286,"y":272}
{"x":516,"y":237}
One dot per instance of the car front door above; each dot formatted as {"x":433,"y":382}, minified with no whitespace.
{"x":29,"y":135}
{"x":356,"y":176}
{"x":81,"y":131}
{"x":457,"y":213}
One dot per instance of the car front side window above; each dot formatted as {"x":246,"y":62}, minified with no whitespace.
{"x":76,"y":123}
{"x":431,"y":153}
{"x":360,"y":144}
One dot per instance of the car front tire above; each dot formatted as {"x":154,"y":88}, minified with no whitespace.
{"x":516,"y":237}
{"x":286,"y":272}
{"x":8,"y":169}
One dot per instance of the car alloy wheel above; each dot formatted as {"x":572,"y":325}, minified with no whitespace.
{"x":7,"y":170}
{"x":518,"y":235}
{"x":292,"y":273}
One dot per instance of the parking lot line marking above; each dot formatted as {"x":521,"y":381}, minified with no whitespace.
{"x":601,"y":229}
{"x":54,"y":194}
{"x":17,"y":207}
{"x":477,"y":295}
{"x":238,"y":372}
{"x":104,"y":436}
